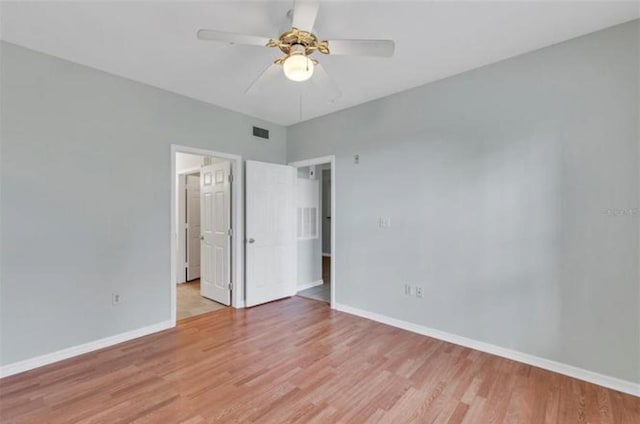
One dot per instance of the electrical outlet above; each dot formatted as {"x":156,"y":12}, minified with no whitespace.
{"x":407,"y":290}
{"x":419,"y":292}
{"x":384,"y":222}
{"x":115,"y":298}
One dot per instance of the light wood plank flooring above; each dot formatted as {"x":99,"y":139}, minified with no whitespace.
{"x":190,"y":303}
{"x":298,"y":361}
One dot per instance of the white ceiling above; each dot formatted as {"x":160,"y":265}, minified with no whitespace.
{"x":155,"y":43}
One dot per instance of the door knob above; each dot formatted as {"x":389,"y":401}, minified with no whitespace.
{"x":251,"y":241}
{"x":201,"y":237}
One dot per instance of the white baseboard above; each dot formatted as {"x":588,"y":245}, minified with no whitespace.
{"x":305,"y":286}
{"x":326,"y":255}
{"x":571,"y":371}
{"x":49,"y":358}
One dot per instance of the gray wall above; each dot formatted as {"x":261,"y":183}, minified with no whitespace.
{"x":500,"y":184}
{"x":85,"y":197}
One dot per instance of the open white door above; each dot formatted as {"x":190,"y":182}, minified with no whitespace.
{"x":215,"y":250}
{"x":193,"y":227}
{"x":270,"y":225}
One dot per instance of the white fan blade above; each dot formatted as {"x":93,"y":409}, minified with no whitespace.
{"x":269,"y":74}
{"x":381,"y":48}
{"x":328,"y":86}
{"x":304,"y":14}
{"x":231,"y":38}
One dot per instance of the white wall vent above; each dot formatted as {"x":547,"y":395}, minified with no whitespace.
{"x":308,"y":208}
{"x":307,"y":223}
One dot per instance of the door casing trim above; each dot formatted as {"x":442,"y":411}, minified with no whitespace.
{"x":331,"y":159}
{"x":237,"y":214}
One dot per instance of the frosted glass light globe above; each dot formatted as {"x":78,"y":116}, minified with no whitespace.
{"x":297,"y":67}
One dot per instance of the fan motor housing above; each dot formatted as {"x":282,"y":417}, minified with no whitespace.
{"x":304,"y":38}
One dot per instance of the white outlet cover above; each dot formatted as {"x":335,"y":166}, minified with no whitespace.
{"x":384,"y":222}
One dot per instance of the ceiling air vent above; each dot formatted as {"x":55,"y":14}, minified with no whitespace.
{"x":261,"y":133}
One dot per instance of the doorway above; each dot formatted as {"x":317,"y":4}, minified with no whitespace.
{"x":268,"y":252}
{"x":205,"y":210}
{"x":315,"y":229}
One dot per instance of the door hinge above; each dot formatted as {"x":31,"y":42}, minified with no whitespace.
{"x":230,"y":286}
{"x":230,"y":232}
{"x":230,"y":178}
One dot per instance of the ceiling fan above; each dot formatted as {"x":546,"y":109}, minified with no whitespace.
{"x":298,"y":44}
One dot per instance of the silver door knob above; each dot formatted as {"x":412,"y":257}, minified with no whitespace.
{"x":251,"y":240}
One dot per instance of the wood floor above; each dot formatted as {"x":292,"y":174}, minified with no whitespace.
{"x":298,"y":361}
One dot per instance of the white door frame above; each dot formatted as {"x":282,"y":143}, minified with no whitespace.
{"x":320,"y":161}
{"x":237,"y":214}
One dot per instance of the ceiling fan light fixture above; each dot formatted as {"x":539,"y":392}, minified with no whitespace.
{"x":297,"y":66}
{"x":298,"y":44}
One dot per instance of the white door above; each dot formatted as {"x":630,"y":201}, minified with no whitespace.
{"x":270,"y":230}
{"x":215,"y":213}
{"x":193,"y":227}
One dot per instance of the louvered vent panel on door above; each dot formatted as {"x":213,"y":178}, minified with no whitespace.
{"x":307,"y":223}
